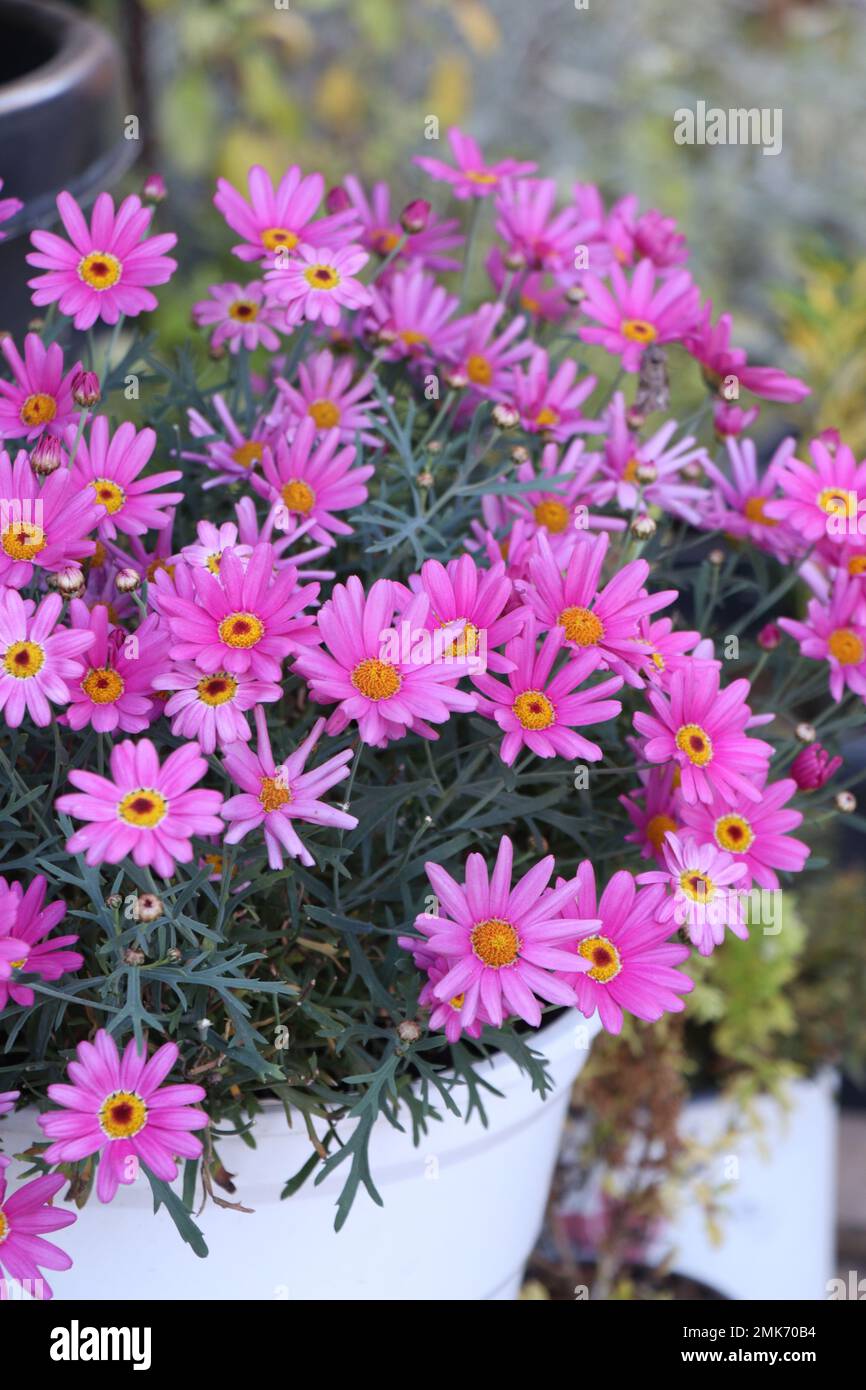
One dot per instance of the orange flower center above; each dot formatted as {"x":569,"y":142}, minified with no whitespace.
{"x":495,"y":943}
{"x":39,"y":409}
{"x":534,"y":710}
{"x":606,"y":960}
{"x":696,"y":743}
{"x":377,"y":680}
{"x":581,"y":626}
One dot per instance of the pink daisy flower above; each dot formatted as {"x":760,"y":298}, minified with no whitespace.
{"x":247,"y":620}
{"x":381,"y":231}
{"x":25,"y":916}
{"x":241,"y":315}
{"x":660,"y":483}
{"x":117,"y":1107}
{"x":709,"y":344}
{"x":667,"y":649}
{"x":632,"y":314}
{"x":730,"y":420}
{"x":9,"y":208}
{"x":704,"y":897}
{"x":110,"y":467}
{"x":825,"y":501}
{"x":481,"y":600}
{"x":568,"y":486}
{"x":38,"y":661}
{"x":39,"y":399}
{"x":14,"y":950}
{"x":210,"y":543}
{"x":653,"y":809}
{"x":486,"y":358}
{"x":274,"y":797}
{"x":631,"y":963}
{"x":116,"y":689}
{"x":312,"y":481}
{"x":327,"y":395}
{"x":835,"y":632}
{"x":603,"y":623}
{"x":43,"y":526}
{"x":147,"y":810}
{"x":532,"y":292}
{"x":531,"y":230}
{"x":377,"y":678}
{"x":212,"y":708}
{"x":279,"y":219}
{"x":285,"y":546}
{"x":25,"y":1218}
{"x":318,"y":282}
{"x":502,"y":944}
{"x":473,"y":177}
{"x":445,"y":1014}
{"x":757,"y":838}
{"x":414,"y":312}
{"x":813,"y":766}
{"x":702,"y":729}
{"x":8,"y":1098}
{"x":739,"y":503}
{"x":104,"y":269}
{"x":539,"y":709}
{"x":646,"y":236}
{"x":551,"y":404}
{"x":230,"y":452}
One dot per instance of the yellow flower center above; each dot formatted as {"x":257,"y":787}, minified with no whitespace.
{"x":629,"y":473}
{"x":479,"y":370}
{"x":325,"y":414}
{"x":23,"y":540}
{"x":552,"y":515}
{"x":378,"y":680}
{"x":581,"y":626}
{"x":241,"y":630}
{"x":274,"y":794}
{"x":495,"y":943}
{"x":383,"y":240}
{"x":733,"y":833}
{"x":108,"y":494}
{"x":656,"y":829}
{"x":4,"y":1227}
{"x":277,"y":238}
{"x":103,"y":685}
{"x":413,"y":338}
{"x":214,"y":862}
{"x":467,"y":643}
{"x":696,"y":743}
{"x":322,"y":277}
{"x":755,"y":510}
{"x":298,"y":496}
{"x":534,"y":710}
{"x":546,"y":418}
{"x":606,"y":960}
{"x":697,"y":886}
{"x":24,"y":660}
{"x":245,"y":455}
{"x":657,"y":660}
{"x":836,"y":501}
{"x":213,"y":562}
{"x":532,"y":306}
{"x":481,"y":176}
{"x":155,"y":566}
{"x":217,"y":689}
{"x":100,"y":270}
{"x":99,"y":557}
{"x":244,"y":310}
{"x":638,"y":331}
{"x":846,"y":646}
{"x":457,"y":1002}
{"x":857,"y":564}
{"x":144,"y":807}
{"x":39,"y":409}
{"x":122,"y":1115}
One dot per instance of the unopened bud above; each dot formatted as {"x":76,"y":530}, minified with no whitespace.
{"x":646,"y":473}
{"x":46,"y":456}
{"x":574,"y":295}
{"x":770,"y":637}
{"x":149,"y":907}
{"x":337,"y":199}
{"x":36,"y":325}
{"x":505,"y":417}
{"x":806,"y":733}
{"x":153,"y":189}
{"x":133,"y":957}
{"x":846,"y":802}
{"x":716,"y":557}
{"x":456,"y":380}
{"x":173,"y":954}
{"x":634,"y":417}
{"x":425,"y":478}
{"x":520,"y":454}
{"x":692,"y":472}
{"x":385,"y":336}
{"x":70,"y":582}
{"x":435,"y":446}
{"x":128,"y":581}
{"x":114,"y":901}
{"x":415,"y":216}
{"x":409,"y":1030}
{"x":85,"y":389}
{"x":643,"y":528}
{"x":514,"y":259}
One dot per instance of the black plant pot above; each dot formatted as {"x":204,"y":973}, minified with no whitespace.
{"x":63,"y":104}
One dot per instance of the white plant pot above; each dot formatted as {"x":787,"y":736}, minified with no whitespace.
{"x":461,"y":1214}
{"x":779,"y":1204}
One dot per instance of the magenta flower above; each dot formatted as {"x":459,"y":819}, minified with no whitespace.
{"x":600,"y":622}
{"x":653,"y":810}
{"x":631,"y":315}
{"x":117,"y":1107}
{"x":241,"y":317}
{"x":312,"y":481}
{"x":110,"y":466}
{"x":235,"y":456}
{"x":327,"y":395}
{"x":823,"y":502}
{"x":486,"y":358}
{"x":146,"y":810}
{"x":730,"y":420}
{"x":709,"y":344}
{"x":210,"y":543}
{"x":446,"y":1014}
{"x":414,"y":312}
{"x":42,"y":527}
{"x":246,"y":620}
{"x":25,"y":917}
{"x":835,"y":632}
{"x":8,"y":1098}
{"x":568,"y":486}
{"x":389,"y":681}
{"x":703,"y":730}
{"x":37,"y":662}
{"x":212,"y":708}
{"x":740,"y":504}
{"x":279,"y":219}
{"x":473,"y":177}
{"x":116,"y":689}
{"x":661,"y":484}
{"x":382,"y":231}
{"x":631,"y":963}
{"x":650,"y":236}
{"x":39,"y":400}
{"x":482,"y":600}
{"x":104,"y":269}
{"x":9,"y":208}
{"x":318,"y":282}
{"x":813,"y":766}
{"x":667,"y":649}
{"x":25,"y":1218}
{"x":539,"y":709}
{"x":532,"y":231}
{"x":551,"y":405}
{"x":757,"y":836}
{"x":502,"y":944}
{"x":14,"y":950}
{"x":704,"y":883}
{"x":274,"y":797}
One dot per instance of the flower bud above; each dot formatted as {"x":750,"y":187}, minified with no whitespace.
{"x":425,"y":478}
{"x":133,"y":957}
{"x":385,"y":336}
{"x":634,"y":417}
{"x":846,"y":802}
{"x":128,"y":581}
{"x":692,"y":472}
{"x":456,"y":380}
{"x":149,"y":907}
{"x":813,"y":766}
{"x":806,"y":733}
{"x":36,"y":325}
{"x":70,"y":582}
{"x":415,"y":216}
{"x":770,"y":637}
{"x":114,"y":901}
{"x":505,"y":417}
{"x":514,"y":259}
{"x":173,"y":954}
{"x":643,"y":528}
{"x":435,"y":446}
{"x":47,"y":456}
{"x":520,"y":454}
{"x":153,"y":189}
{"x":646,"y":473}
{"x":85,"y":389}
{"x":716,"y":557}
{"x":575,"y":295}
{"x":409,"y":1030}
{"x":337,"y":199}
